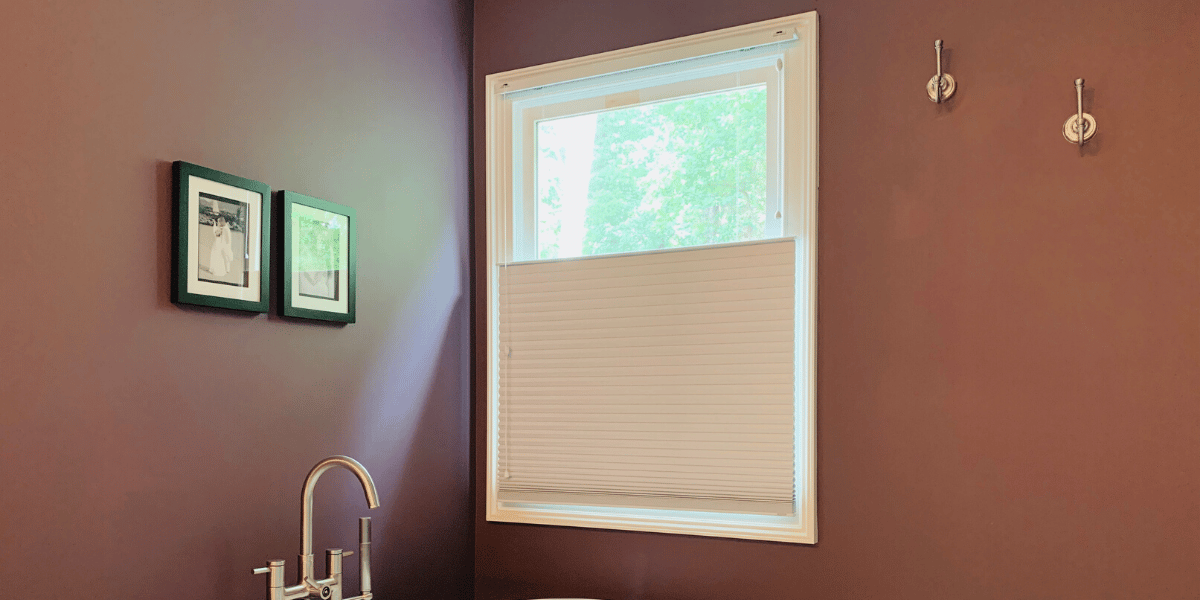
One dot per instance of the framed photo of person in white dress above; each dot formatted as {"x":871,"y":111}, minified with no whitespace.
{"x":319,"y":259}
{"x":222,"y":226}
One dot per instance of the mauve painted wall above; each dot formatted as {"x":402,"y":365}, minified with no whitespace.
{"x":154,"y":451}
{"x":1009,"y":341}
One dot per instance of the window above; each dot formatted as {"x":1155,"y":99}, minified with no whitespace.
{"x":651,"y":287}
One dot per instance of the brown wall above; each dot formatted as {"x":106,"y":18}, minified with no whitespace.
{"x":1009,"y":338}
{"x":155,"y":451}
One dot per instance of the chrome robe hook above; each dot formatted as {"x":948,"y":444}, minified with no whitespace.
{"x":1081,"y":126}
{"x":941,"y":86}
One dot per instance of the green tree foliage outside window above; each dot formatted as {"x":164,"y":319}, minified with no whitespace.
{"x":672,"y":174}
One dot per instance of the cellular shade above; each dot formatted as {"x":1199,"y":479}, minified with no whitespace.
{"x":652,"y":380}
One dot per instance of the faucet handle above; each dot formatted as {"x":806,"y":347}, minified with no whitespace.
{"x":331,"y":586}
{"x":333,"y":562}
{"x":274,"y":573}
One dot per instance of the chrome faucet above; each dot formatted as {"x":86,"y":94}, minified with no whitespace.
{"x":329,"y":588}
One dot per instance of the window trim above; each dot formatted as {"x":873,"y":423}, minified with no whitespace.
{"x":799,"y":194}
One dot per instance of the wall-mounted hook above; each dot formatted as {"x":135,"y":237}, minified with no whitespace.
{"x":941,"y":86}
{"x":1081,"y":126}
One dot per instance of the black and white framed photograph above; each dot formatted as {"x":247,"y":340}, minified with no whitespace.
{"x":224,"y":246}
{"x":319,"y":263}
{"x":222,"y":239}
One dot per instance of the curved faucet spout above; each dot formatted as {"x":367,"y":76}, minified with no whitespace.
{"x":306,"y":557}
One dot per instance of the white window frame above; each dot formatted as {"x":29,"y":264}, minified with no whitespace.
{"x":798,"y":182}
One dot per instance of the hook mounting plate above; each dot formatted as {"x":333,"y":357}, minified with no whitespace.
{"x":947,"y":87}
{"x":1071,"y":128}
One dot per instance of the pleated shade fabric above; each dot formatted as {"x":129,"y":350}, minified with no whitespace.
{"x":655,"y":380}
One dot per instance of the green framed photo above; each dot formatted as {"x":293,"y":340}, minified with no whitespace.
{"x":222,"y":233}
{"x":319,"y":256}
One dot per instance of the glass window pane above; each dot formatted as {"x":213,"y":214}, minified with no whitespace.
{"x":685,"y":172}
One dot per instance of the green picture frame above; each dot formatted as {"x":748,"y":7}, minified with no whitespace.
{"x":320,"y":271}
{"x":221,"y":228}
